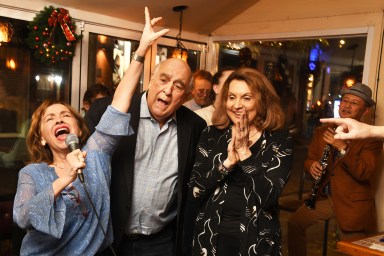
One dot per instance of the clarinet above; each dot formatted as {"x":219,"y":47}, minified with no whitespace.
{"x":310,"y":202}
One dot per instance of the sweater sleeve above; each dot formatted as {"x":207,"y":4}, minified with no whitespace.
{"x":113,"y":124}
{"x":38,"y":211}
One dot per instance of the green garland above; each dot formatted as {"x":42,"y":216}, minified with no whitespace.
{"x":52,"y":36}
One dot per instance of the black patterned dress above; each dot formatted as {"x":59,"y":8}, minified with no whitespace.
{"x":244,"y":203}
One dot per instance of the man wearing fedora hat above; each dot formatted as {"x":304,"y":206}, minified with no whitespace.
{"x":345,"y":189}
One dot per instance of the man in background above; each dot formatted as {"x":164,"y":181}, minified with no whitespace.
{"x":218,"y":81}
{"x":94,"y":92}
{"x":202,"y":88}
{"x":345,"y":189}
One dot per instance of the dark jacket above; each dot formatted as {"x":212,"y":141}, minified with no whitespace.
{"x":189,"y":127}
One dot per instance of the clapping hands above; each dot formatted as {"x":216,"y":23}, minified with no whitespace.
{"x":238,"y":148}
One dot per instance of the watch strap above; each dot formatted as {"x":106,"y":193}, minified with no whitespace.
{"x":138,"y":58}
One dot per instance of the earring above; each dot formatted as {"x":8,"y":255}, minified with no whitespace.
{"x":43,"y":142}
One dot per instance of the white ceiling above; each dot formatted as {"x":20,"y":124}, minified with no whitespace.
{"x":201,"y":16}
{"x":205,"y":16}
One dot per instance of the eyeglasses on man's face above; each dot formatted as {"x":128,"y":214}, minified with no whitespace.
{"x":73,"y":194}
{"x":202,"y":92}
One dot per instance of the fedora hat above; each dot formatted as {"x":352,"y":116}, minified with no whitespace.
{"x":360,"y":90}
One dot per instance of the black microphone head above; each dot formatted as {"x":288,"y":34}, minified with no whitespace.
{"x":72,"y":142}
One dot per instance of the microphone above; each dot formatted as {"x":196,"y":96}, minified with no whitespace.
{"x":72,"y":143}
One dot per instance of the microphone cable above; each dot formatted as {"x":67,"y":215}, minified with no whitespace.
{"x":72,"y":142}
{"x":97,"y":215}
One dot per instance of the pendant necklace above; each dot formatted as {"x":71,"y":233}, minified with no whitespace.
{"x":254,"y":133}
{"x":58,"y":166}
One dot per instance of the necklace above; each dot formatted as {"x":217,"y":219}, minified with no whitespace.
{"x":58,"y":166}
{"x":250,"y":140}
{"x":254,"y":133}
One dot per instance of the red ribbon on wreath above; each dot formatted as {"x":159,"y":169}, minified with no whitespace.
{"x":63,"y":18}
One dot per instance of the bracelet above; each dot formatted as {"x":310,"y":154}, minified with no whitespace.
{"x":138,"y":58}
{"x":222,"y":169}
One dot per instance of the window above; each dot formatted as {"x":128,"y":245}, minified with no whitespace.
{"x":109,"y":58}
{"x":308,"y":74}
{"x":24,"y":83}
{"x":192,"y":56}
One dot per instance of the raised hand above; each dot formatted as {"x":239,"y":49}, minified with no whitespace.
{"x":124,"y":91}
{"x":149,"y":36}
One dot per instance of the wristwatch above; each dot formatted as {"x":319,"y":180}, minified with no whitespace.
{"x":342,"y":152}
{"x":138,"y":58}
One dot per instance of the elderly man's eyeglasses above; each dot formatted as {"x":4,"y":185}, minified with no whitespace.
{"x":351,"y":103}
{"x":202,"y":92}
{"x":73,"y":194}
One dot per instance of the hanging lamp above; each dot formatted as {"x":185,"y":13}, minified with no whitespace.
{"x":180,"y":51}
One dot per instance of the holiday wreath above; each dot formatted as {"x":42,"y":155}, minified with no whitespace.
{"x":52,"y":35}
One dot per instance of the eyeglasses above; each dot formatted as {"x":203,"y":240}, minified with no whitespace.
{"x":351,"y":103}
{"x":73,"y":194}
{"x":202,"y":92}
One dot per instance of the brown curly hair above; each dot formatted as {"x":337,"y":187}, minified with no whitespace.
{"x":36,"y":151}
{"x":270,"y":115}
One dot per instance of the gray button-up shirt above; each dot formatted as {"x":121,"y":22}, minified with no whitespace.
{"x":155,"y":175}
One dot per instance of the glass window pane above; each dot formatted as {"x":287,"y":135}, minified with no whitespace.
{"x":308,"y":74}
{"x":109,"y":58}
{"x":191,"y":56}
{"x":24,"y":83}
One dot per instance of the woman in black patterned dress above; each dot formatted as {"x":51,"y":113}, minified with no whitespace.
{"x":243,"y":163}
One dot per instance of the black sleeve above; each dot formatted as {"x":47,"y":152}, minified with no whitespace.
{"x":93,"y":115}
